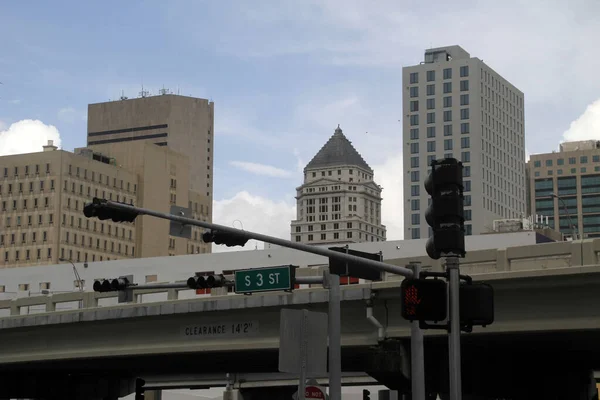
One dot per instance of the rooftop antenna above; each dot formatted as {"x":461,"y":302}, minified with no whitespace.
{"x":143,"y":93}
{"x":123,"y":97}
{"x":163,"y":91}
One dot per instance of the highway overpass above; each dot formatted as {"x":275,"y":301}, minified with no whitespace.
{"x":547,"y":325}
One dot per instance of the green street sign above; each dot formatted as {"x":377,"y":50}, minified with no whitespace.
{"x":265,"y":279}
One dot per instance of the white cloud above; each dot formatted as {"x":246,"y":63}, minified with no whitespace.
{"x":261,"y":169}
{"x":587,"y":126}
{"x":27,"y":136}
{"x":257,"y":214}
{"x":389,"y":176}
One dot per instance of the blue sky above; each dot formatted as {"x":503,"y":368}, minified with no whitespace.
{"x":284,"y":73}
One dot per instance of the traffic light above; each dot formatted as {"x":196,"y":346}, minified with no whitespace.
{"x":100,"y":209}
{"x":228,"y":239}
{"x":366,"y":394}
{"x":445,"y":214}
{"x":476,"y":304}
{"x":122,"y":285}
{"x":423,"y":299}
{"x":206,"y":282}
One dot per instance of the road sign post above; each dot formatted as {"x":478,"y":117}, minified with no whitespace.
{"x":452,"y":266}
{"x":265,"y":279}
{"x":417,"y":352}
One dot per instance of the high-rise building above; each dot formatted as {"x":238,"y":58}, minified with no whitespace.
{"x":339,"y":202}
{"x":42,"y":196}
{"x":183,"y":124}
{"x":565,"y":185}
{"x":455,"y":105}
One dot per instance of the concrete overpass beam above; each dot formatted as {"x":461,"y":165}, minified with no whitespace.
{"x":271,"y":393}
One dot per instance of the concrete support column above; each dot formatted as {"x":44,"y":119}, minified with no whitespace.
{"x":172,"y":294}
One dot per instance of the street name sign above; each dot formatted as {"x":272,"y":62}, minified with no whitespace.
{"x":265,"y":279}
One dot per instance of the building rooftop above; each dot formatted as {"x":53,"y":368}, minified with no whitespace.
{"x":337,"y":151}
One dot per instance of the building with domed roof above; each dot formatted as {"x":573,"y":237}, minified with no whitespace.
{"x":339,"y":202}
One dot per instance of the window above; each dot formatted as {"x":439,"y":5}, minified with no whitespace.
{"x":448,"y":101}
{"x":467,"y":200}
{"x":414,"y":177}
{"x":414,"y":190}
{"x":464,"y":99}
{"x":414,"y":162}
{"x":447,"y":144}
{"x":548,"y":163}
{"x":464,"y":71}
{"x":572,"y":160}
{"x":430,"y":104}
{"x":414,"y":134}
{"x":431,"y":131}
{"x":447,"y":116}
{"x":464,"y":113}
{"x":447,"y":73}
{"x":583,"y":159}
{"x":416,"y":233}
{"x":447,"y":130}
{"x":447,"y":87}
{"x":430,"y":90}
{"x":414,"y":148}
{"x":468,"y":230}
{"x":430,"y":76}
{"x":415,"y":205}
{"x":537,"y":164}
{"x":414,"y":77}
{"x":431,"y":146}
{"x":467,"y":186}
{"x":561,"y":161}
{"x":414,"y":91}
{"x":465,"y":142}
{"x":466,"y":171}
{"x":415,"y":219}
{"x":414,"y":120}
{"x":464,"y":86}
{"x":430,"y":159}
{"x":465,"y":127}
{"x":431,"y":118}
{"x":465,"y":156}
{"x":414,"y":106}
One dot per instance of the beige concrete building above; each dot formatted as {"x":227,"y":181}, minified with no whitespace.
{"x":183,"y":124}
{"x":42,"y":196}
{"x":455,"y":105}
{"x":339,"y":202}
{"x":565,"y":186}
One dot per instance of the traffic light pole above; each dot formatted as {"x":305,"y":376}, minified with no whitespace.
{"x":452,"y":266}
{"x":377,"y":265}
{"x":417,"y":352}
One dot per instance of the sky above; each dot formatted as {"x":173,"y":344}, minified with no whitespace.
{"x":283,"y":74}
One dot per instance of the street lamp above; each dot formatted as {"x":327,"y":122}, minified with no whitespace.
{"x":573,"y":226}
{"x":77,"y":277}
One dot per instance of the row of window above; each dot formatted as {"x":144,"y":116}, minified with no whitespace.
{"x":447,"y":117}
{"x":446,"y":74}
{"x":465,"y":143}
{"x":39,"y":187}
{"x":336,"y":236}
{"x":416,"y":231}
{"x":339,"y":172}
{"x":430,"y":89}
{"x":430,"y":103}
{"x":102,"y":179}
{"x":27,"y":170}
{"x":12,"y":238}
{"x":310,"y":228}
{"x":559,"y":171}
{"x":465,"y":128}
{"x":25,"y":204}
{"x":571,"y":161}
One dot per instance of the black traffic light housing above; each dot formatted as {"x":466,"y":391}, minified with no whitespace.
{"x":226,"y":238}
{"x":206,"y":282}
{"x":122,"y":284}
{"x":445,"y":214}
{"x":99,"y":208}
{"x":476,"y":304}
{"x":424,"y":299}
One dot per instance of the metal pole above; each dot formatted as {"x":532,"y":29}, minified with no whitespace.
{"x":378,"y":265}
{"x":564,"y":204}
{"x":335,"y":342}
{"x":452,"y":266}
{"x":303,"y":354}
{"x":417,"y":353}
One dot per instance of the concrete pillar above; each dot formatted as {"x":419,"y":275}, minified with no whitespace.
{"x":172,"y":294}
{"x":232,"y":394}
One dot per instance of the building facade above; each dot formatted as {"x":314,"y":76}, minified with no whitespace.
{"x":339,"y":202}
{"x":183,"y":124}
{"x":454,"y":105}
{"x":565,"y":187}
